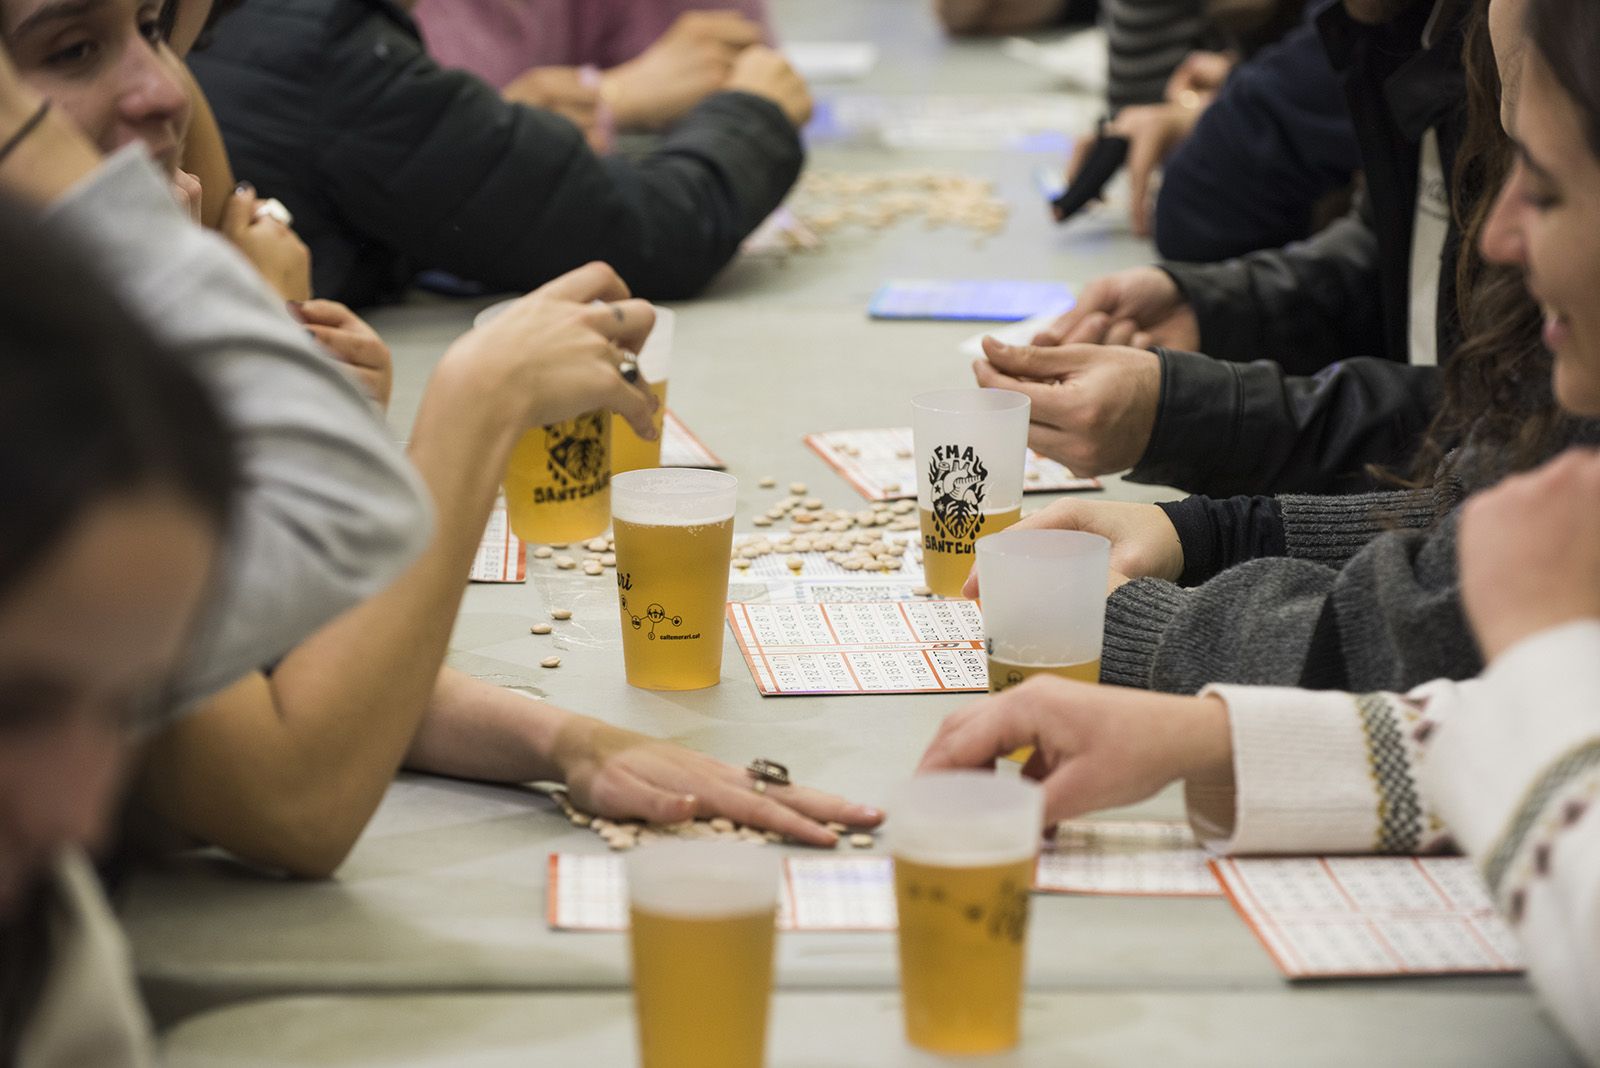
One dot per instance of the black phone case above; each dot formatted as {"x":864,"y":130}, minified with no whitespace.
{"x":1105,"y":159}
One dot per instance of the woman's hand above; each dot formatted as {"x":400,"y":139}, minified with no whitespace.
{"x":619,"y":774}
{"x":190,"y":197}
{"x":353,"y":342}
{"x":765,"y":72}
{"x":1144,"y":543}
{"x":562,"y":90}
{"x":277,"y":251}
{"x":1530,"y":552}
{"x":557,"y":352}
{"x":1094,"y":747}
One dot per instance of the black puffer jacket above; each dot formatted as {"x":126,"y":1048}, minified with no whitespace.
{"x":1291,"y":410}
{"x":392,"y":164}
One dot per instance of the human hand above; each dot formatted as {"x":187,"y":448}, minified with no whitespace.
{"x":619,"y":774}
{"x":1199,"y":77}
{"x":686,"y":64}
{"x":1094,"y":747}
{"x":562,"y":90}
{"x":1144,"y":543}
{"x":557,"y":352}
{"x":765,"y":72}
{"x":353,"y":342}
{"x":187,"y":192}
{"x":1141,"y":306}
{"x":1093,"y":406}
{"x":1154,"y":132}
{"x":277,"y":251}
{"x":1529,"y":552}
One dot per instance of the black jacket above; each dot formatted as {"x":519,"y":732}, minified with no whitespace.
{"x":1259,"y":425}
{"x":392,"y":164}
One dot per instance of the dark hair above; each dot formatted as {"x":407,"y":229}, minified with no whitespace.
{"x":90,"y":407}
{"x":1565,"y":34}
{"x":1497,"y":413}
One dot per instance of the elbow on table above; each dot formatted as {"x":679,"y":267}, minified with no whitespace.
{"x":305,"y":839}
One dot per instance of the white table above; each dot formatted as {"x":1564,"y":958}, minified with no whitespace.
{"x":445,"y":892}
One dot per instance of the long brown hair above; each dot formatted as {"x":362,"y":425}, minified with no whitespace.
{"x":1497,"y":414}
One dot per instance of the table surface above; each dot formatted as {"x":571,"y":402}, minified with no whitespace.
{"x":1336,"y":1029}
{"x":445,"y":891}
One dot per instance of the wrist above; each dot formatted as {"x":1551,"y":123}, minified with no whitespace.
{"x":1206,"y":742}
{"x":617,"y":92}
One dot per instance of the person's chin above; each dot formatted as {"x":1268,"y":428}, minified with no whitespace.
{"x":1577,"y":381}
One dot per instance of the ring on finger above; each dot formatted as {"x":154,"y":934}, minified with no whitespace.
{"x":629,"y":372}
{"x":273,"y":208}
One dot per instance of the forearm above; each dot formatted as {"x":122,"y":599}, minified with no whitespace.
{"x":476,"y":730}
{"x":1216,"y":535}
{"x":204,"y":155}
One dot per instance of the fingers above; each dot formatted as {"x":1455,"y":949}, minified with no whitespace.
{"x":728,"y":28}
{"x":969,"y":588}
{"x":743,"y":805}
{"x":825,"y":807}
{"x":623,"y":793}
{"x":358,"y":350}
{"x":1142,"y":339}
{"x":1120,"y":332}
{"x":239,"y":211}
{"x":1091,"y":331}
{"x":1037,"y":362}
{"x":627,"y":322}
{"x":635,"y":403}
{"x":995,"y":727}
{"x":592,"y":281}
{"x":325,"y":313}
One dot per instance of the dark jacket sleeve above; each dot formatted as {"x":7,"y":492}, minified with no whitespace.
{"x":1389,"y":619}
{"x":1303,"y":306}
{"x":1227,"y":428}
{"x":434,"y":163}
{"x":1218,"y":534}
{"x":1276,"y":140}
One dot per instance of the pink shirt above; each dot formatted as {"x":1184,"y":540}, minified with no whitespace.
{"x":499,"y":39}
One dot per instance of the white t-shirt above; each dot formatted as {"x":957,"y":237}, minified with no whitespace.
{"x":1427,"y":249}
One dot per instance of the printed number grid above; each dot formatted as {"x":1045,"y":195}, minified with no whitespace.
{"x":1134,"y":857}
{"x":1338,"y":917}
{"x":881,"y":467}
{"x":681,"y":448}
{"x":870,"y":647}
{"x":501,"y":556}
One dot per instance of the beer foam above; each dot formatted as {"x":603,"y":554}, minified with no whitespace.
{"x":676,"y":497}
{"x":965,"y":818}
{"x":702,"y":880}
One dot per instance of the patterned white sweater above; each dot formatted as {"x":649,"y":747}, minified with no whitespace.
{"x":1505,"y":766}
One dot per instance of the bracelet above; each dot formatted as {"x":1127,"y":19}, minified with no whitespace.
{"x":24,"y":130}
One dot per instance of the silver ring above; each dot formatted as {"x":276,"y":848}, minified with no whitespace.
{"x":629,"y":372}
{"x":272,"y":208}
{"x":765,"y":771}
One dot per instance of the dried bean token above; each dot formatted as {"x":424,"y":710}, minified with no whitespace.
{"x":892,"y":487}
{"x":578,"y":819}
{"x":596,"y":545}
{"x":543,"y":552}
{"x":903,"y":454}
{"x":550,"y":662}
{"x":741,"y":563}
{"x":767,"y":482}
{"x":922,"y":591}
{"x":794,"y":563}
{"x":566,"y":563}
{"x":722,"y":825}
{"x":836,"y":827}
{"x":797,"y":489}
{"x":622,"y":843}
{"x":593,"y":568}
{"x":558,"y":545}
{"x":608,"y":559}
{"x":773,"y":837}
{"x":762,"y":521}
{"x":540,"y":628}
{"x":560,"y":613}
{"x":813,"y":503}
{"x":861,"y":841}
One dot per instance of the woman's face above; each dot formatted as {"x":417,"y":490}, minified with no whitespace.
{"x":85,"y":638}
{"x":105,"y":64}
{"x":1545,"y":221}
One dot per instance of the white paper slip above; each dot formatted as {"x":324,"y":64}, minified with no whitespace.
{"x":956,"y":122}
{"x":1344,"y":917}
{"x":881,"y":465}
{"x":1014,"y":333}
{"x":1133,"y":857}
{"x":1080,"y":60}
{"x":589,"y":892}
{"x":680,"y":448}
{"x":501,"y":556}
{"x":818,"y":591}
{"x":831,"y":61}
{"x":844,"y":648}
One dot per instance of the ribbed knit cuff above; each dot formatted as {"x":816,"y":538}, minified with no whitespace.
{"x":1332,"y":529}
{"x":1137,"y":615}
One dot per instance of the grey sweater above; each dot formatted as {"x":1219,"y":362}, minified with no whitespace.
{"x":1365,"y":599}
{"x":330,"y":511}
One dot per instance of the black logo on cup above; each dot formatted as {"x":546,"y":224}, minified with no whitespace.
{"x":577,"y":449}
{"x":956,"y":478}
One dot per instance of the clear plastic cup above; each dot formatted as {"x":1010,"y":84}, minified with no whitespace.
{"x":971,"y":445}
{"x":703,"y":917}
{"x":965,"y":844}
{"x":1044,"y":604}
{"x":674,"y":544}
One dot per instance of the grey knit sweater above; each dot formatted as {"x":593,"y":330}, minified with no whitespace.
{"x":1365,"y":599}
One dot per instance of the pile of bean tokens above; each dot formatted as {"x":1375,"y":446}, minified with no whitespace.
{"x":622,"y":835}
{"x":828,"y":200}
